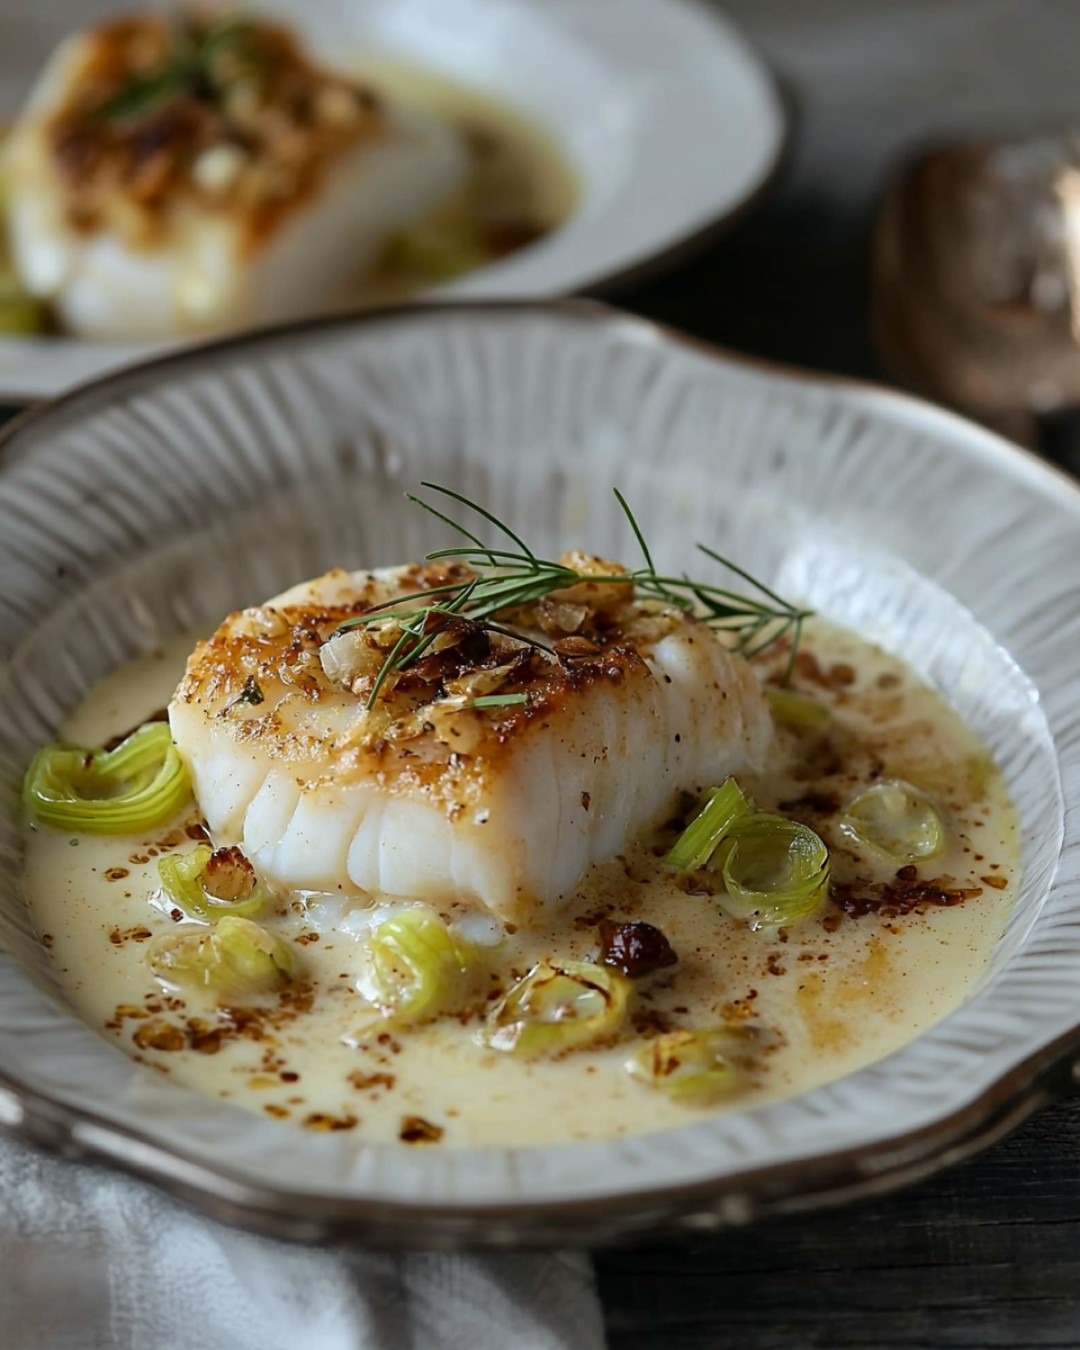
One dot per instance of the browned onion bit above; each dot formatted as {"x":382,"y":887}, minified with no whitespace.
{"x":228,"y":875}
{"x":417,"y":1130}
{"x":636,"y":949}
{"x":570,"y":647}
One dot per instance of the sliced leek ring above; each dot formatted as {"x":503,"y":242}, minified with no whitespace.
{"x":558,"y":1006}
{"x":236,"y":959}
{"x":800,"y":712}
{"x":698,"y":842}
{"x":775,"y":870}
{"x":688,"y":1065}
{"x":183,"y":883}
{"x":417,"y":968}
{"x":139,"y":785}
{"x":895,"y":820}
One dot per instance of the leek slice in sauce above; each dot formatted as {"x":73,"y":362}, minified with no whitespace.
{"x":138,"y":786}
{"x":235,"y":959}
{"x":895,"y":820}
{"x":193,"y":883}
{"x":417,"y":967}
{"x":775,"y":870}
{"x":698,"y":842}
{"x":800,"y":712}
{"x":20,"y":313}
{"x":559,"y":1005}
{"x":688,"y":1064}
{"x":440,"y":249}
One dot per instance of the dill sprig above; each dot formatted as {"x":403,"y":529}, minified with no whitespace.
{"x":186,"y":68}
{"x":496,"y":701}
{"x":508,"y":577}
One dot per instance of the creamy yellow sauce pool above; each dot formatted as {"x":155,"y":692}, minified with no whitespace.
{"x":521,"y":186}
{"x":883,"y":958}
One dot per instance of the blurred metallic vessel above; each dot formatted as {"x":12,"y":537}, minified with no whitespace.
{"x":976,"y":277}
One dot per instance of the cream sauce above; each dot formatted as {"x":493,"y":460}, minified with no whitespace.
{"x":521,"y":186}
{"x":840,"y":989}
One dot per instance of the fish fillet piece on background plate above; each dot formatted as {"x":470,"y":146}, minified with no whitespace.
{"x":173,"y":178}
{"x":488,"y":772}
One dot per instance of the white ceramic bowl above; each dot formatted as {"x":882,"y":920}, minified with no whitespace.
{"x":161,"y":497}
{"x":666,"y":115}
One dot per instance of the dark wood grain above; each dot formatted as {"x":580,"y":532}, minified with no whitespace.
{"x":986,"y":1255}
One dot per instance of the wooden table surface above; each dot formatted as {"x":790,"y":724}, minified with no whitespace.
{"x":985,"y":1255}
{"x":988,"y":1254}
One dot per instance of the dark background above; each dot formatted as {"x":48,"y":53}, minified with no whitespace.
{"x":867,"y":84}
{"x":989,"y":1254}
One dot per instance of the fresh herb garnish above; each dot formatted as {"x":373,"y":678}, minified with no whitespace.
{"x":510,"y":577}
{"x":186,"y":68}
{"x":495,"y":701}
{"x":143,"y":93}
{"x":251,"y":693}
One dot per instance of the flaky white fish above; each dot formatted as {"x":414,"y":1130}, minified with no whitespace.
{"x":428,"y":796}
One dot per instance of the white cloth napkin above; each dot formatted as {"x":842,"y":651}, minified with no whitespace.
{"x":90,"y":1260}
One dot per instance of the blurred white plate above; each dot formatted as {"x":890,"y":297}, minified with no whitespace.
{"x":668,"y":118}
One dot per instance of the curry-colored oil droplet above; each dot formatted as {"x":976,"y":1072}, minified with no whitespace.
{"x":158,"y":1034}
{"x":321,"y":1121}
{"x":832,"y":1004}
{"x":417,"y":1130}
{"x":827,"y":1029}
{"x":361,"y":1081}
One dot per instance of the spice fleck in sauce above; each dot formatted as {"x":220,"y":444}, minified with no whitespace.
{"x":892,"y":949}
